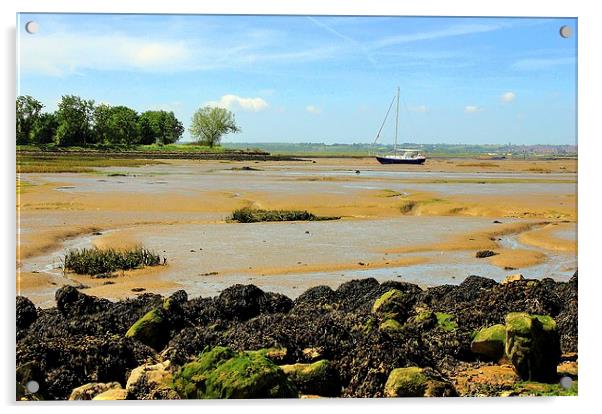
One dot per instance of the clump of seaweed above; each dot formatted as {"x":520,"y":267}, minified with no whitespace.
{"x":97,"y":261}
{"x":254,"y":215}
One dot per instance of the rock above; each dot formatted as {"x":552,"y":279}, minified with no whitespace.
{"x":241,"y":302}
{"x":417,"y":382}
{"x":485,"y":253}
{"x":390,"y":326}
{"x":70,"y":301}
{"x":26,"y":312}
{"x":151,"y":382}
{"x":112,"y":395}
{"x":91,"y":390}
{"x":176,"y":301}
{"x":276,"y":355}
{"x":533,"y":346}
{"x":319,"y":378}
{"x":512,"y":278}
{"x":313,"y":353}
{"x":490,"y":342}
{"x":223,"y":373}
{"x":390,"y":305}
{"x":151,"y":329}
{"x":425,"y":319}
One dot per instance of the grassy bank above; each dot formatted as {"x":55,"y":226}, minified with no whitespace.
{"x":252,"y":215}
{"x":73,"y":164}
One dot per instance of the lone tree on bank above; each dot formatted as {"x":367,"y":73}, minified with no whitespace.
{"x":209,"y":124}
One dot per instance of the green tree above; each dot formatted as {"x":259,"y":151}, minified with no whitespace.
{"x":123,"y":126}
{"x":159,"y":127}
{"x":44,"y":129}
{"x":102,"y":130}
{"x":28,"y":110}
{"x":209,"y":124}
{"x":75,"y":116}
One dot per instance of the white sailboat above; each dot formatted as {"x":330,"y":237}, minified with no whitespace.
{"x":399,"y":155}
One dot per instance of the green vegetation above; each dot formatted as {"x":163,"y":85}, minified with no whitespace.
{"x":254,"y":215}
{"x":540,"y":389}
{"x":406,"y":382}
{"x":390,"y":326}
{"x":75,"y":164}
{"x":96,"y":261}
{"x":209,"y":124}
{"x":79,"y":122}
{"x":490,"y":342}
{"x":446,"y":321}
{"x":390,"y":305}
{"x":150,"y":329}
{"x":223,"y":373}
{"x":319,"y":378}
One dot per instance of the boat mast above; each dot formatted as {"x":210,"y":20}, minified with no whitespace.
{"x":396,"y":122}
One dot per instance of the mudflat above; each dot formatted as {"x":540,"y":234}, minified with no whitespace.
{"x":421,"y":224}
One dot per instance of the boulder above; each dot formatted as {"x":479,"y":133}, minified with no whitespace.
{"x":512,"y":278}
{"x":91,"y":390}
{"x":319,"y":378}
{"x":417,"y":382}
{"x":26,"y":312}
{"x":390,"y":305}
{"x":489,"y":342}
{"x":151,"y":329}
{"x":151,"y":382}
{"x":223,"y":373}
{"x":111,"y":395}
{"x":484,"y":253}
{"x":533,"y":346}
{"x":241,"y":302}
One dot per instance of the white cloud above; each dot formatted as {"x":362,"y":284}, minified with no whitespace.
{"x":508,"y":96}
{"x":238,"y":102}
{"x":419,"y":108}
{"x":313,"y":110}
{"x":471,"y":109}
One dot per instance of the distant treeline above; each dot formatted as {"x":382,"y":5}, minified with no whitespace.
{"x":80,"y":122}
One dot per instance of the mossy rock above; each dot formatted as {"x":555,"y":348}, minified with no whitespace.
{"x":533,"y":346}
{"x":424,"y":319}
{"x":539,"y":389}
{"x":416,"y":382}
{"x":390,"y":305}
{"x":151,"y":329}
{"x":223,"y":373}
{"x":318,"y":378}
{"x":489,"y":342}
{"x":390,"y":326}
{"x":277,"y":355}
{"x":446,"y":321}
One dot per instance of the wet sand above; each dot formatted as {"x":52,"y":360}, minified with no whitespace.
{"x":394,"y":218}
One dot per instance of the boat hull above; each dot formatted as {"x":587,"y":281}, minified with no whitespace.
{"x":385,"y":160}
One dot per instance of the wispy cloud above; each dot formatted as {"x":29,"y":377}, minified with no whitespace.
{"x":313,"y":109}
{"x":542,"y":63}
{"x":471,"y":109}
{"x":508,"y":96}
{"x":237,"y":102}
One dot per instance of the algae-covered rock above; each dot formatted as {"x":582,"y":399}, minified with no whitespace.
{"x":91,"y":390}
{"x":390,"y":326}
{"x":490,"y":342}
{"x":26,"y":312}
{"x":223,"y":373}
{"x":417,"y":382}
{"x":512,"y":278}
{"x":151,"y":329}
{"x":151,"y":382}
{"x":532,"y":345}
{"x":111,"y":395}
{"x":390,"y":305}
{"x":319,"y":378}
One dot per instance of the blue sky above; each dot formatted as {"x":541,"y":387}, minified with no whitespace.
{"x":317,"y":79}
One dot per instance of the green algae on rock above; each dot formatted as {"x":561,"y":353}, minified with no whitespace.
{"x":390,"y":326}
{"x":150,"y":329}
{"x":390,"y":305}
{"x":416,"y":382}
{"x":489,"y":342}
{"x":532,"y":345}
{"x":223,"y":373}
{"x":446,"y":321}
{"x":318,"y":378}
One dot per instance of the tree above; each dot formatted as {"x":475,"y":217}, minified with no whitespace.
{"x":159,"y":127}
{"x":123,"y":126}
{"x":28,"y":110}
{"x":102,"y":131}
{"x":44,"y":129}
{"x":209,"y":124}
{"x":74,"y":116}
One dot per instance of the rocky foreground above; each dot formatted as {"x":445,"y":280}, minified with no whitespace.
{"x":364,"y":339}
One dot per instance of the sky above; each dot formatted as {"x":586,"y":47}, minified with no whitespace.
{"x":317,"y":78}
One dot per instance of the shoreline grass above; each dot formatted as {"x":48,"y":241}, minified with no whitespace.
{"x":253,"y":215}
{"x":97,"y":261}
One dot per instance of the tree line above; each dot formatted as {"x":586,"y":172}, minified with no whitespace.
{"x":80,"y":122}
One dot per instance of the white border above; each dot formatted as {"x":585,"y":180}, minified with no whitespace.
{"x":590,"y":155}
